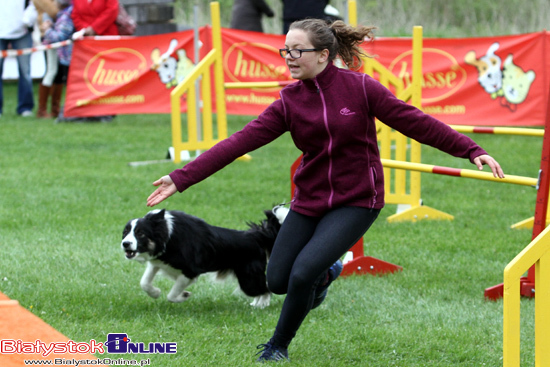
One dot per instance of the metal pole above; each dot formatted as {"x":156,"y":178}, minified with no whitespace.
{"x":196,"y":41}
{"x":346,"y":13}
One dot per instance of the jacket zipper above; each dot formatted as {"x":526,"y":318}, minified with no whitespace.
{"x":325,"y":120}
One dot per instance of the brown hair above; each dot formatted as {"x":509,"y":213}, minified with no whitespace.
{"x":338,"y":38}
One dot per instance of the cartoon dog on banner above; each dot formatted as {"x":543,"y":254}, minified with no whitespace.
{"x":171,"y":71}
{"x":505,"y":80}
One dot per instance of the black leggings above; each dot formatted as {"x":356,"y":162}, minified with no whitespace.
{"x":306,"y":247}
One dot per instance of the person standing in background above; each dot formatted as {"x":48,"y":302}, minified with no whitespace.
{"x":301,"y":9}
{"x":97,"y":17}
{"x":61,"y":30}
{"x":247,"y":15}
{"x":48,"y":7}
{"x":17,"y":19}
{"x":47,"y":12}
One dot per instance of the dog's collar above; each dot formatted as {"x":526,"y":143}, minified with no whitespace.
{"x":160,"y":253}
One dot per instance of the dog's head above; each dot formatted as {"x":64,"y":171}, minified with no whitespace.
{"x":145,"y":238}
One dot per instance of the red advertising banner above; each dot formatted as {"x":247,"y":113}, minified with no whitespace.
{"x":252,"y":57}
{"x":487,"y":81}
{"x":492,"y":81}
{"x":127,"y":75}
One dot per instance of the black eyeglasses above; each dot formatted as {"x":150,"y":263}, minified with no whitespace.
{"x":296,"y":53}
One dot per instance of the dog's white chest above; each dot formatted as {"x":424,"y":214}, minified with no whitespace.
{"x":165,"y":269}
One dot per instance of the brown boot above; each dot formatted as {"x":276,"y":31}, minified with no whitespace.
{"x":57,"y":91}
{"x":43,"y":96}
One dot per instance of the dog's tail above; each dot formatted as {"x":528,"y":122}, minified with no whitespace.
{"x":280,"y":211}
{"x":266,"y":231}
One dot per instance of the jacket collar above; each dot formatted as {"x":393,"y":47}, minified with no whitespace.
{"x":324,"y":79}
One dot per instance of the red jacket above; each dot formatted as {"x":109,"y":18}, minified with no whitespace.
{"x":100,"y":14}
{"x":331,"y":119}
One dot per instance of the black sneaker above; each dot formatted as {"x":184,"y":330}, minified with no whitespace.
{"x":271,"y":352}
{"x":321,"y":291}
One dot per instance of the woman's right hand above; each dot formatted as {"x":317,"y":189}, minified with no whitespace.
{"x":166,"y":188}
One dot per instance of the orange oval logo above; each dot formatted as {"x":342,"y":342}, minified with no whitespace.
{"x":437,"y":85}
{"x":241,"y":63}
{"x":102,"y":76}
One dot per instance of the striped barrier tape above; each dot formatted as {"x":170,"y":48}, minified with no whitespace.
{"x":25,"y":51}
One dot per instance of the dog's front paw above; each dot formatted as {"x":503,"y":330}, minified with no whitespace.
{"x":180,"y":297}
{"x":261,"y":301}
{"x":153,"y":292}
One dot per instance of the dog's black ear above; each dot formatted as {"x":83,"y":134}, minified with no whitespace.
{"x":272,"y":218}
{"x":158,"y":216}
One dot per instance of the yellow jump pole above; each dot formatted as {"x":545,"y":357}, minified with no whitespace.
{"x":498,"y":130}
{"x":218,"y":70}
{"x":416,"y":100}
{"x":218,"y":75}
{"x":352,"y":13}
{"x":537,"y":252}
{"x":486,"y":176}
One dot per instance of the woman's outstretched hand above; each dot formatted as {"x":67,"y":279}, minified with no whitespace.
{"x":166,"y":188}
{"x":490,"y":161}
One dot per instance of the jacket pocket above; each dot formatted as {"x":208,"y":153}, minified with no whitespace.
{"x":373,"y":184}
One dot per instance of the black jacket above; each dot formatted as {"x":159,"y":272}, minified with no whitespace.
{"x":247,"y":14}
{"x":300,"y":9}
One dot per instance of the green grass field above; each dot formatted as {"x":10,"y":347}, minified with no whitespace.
{"x":67,"y":191}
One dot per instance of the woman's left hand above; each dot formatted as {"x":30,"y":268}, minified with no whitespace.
{"x":479,"y":161}
{"x":166,"y":188}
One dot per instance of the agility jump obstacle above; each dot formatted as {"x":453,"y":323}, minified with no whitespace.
{"x":535,"y":259}
{"x":527,"y":223}
{"x":402,"y":188}
{"x":187,"y":86}
{"x":536,"y":253}
{"x":201,"y":74}
{"x":413,"y":165}
{"x":540,"y":220}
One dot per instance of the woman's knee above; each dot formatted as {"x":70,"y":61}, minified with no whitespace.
{"x":302,"y":280}
{"x":277,"y":285}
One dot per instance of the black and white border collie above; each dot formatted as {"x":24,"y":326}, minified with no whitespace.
{"x":183,"y":247}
